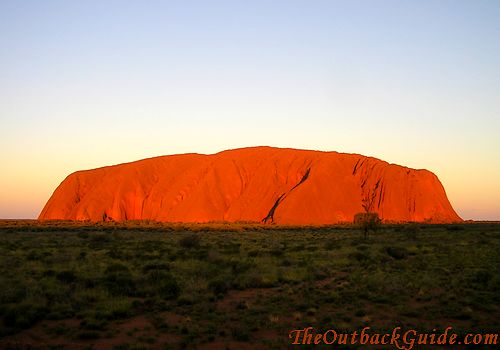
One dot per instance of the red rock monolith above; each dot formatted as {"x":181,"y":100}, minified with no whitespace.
{"x":258,"y":184}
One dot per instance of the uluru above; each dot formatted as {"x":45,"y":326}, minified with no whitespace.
{"x":256,"y":184}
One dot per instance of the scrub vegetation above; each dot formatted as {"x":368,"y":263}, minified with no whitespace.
{"x":146,"y":285}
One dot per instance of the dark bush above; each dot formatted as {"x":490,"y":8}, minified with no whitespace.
{"x":66,"y":276}
{"x":253,"y":253}
{"x":218,"y":286}
{"x":455,"y":227}
{"x":411,"y":230}
{"x":13,"y":293}
{"x":163,"y":283}
{"x":276,"y":251}
{"x":117,"y":267}
{"x":93,"y":324}
{"x":190,"y":241}
{"x":481,"y":278}
{"x":100,"y":238}
{"x":82,"y":235}
{"x":240,"y":334}
{"x":238,"y":267}
{"x":86,"y":335}
{"x":155,"y":276}
{"x":24,"y":315}
{"x":169,"y":288}
{"x":34,"y":255}
{"x":156,"y":265}
{"x":397,"y":253}
{"x":119,"y":280}
{"x":286,"y":262}
{"x":60,"y":311}
{"x":48,"y":273}
{"x":359,"y":255}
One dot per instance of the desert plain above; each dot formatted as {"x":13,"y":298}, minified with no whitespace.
{"x":150,"y":285}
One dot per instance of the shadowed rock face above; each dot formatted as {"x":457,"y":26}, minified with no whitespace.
{"x":285,"y":186}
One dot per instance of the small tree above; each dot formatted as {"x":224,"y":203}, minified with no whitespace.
{"x":367,"y":221}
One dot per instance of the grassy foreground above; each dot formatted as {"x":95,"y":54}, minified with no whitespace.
{"x":144,"y":285}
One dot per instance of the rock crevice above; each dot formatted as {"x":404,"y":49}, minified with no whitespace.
{"x":270,"y":215}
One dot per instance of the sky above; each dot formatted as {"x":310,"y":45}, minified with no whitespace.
{"x":85,"y":84}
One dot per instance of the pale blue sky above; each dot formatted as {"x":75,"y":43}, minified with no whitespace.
{"x":91,"y":83}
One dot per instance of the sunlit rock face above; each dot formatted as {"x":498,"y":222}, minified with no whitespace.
{"x":258,"y":184}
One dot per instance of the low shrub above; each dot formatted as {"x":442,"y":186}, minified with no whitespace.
{"x":190,"y":241}
{"x":169,"y":288}
{"x":66,"y":276}
{"x":218,"y":286}
{"x":24,"y":315}
{"x":119,"y":280}
{"x":397,"y":253}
